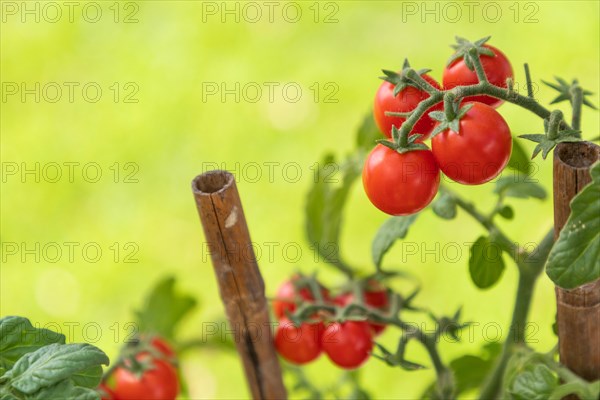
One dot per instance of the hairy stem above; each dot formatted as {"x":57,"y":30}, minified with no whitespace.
{"x":528,"y":80}
{"x":482,"y":88}
{"x":577,"y":103}
{"x":478,"y":66}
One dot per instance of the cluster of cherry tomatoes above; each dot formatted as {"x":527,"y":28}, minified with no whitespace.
{"x":402,"y":183}
{"x":348,"y":344}
{"x":147,"y":371}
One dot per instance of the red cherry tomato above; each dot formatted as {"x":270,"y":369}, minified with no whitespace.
{"x":298,"y":345}
{"x":400,"y":184}
{"x":375,"y":295}
{"x":158,"y":383}
{"x":287,"y":296}
{"x":479,"y":151}
{"x":162,"y":346}
{"x":406,"y":100}
{"x":348,"y":344}
{"x":497,"y":69}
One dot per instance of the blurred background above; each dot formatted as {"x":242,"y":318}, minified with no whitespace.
{"x":109,"y":109}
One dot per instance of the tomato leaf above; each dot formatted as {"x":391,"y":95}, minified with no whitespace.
{"x":575,"y":257}
{"x":470,"y":371}
{"x":65,"y":389}
{"x":164,"y":309}
{"x":518,"y":186}
{"x":327,"y":197}
{"x":537,"y":382}
{"x":393,"y":229}
{"x":445,"y":206}
{"x":485,"y":262}
{"x":367,"y":133}
{"x":519,"y":160}
{"x":88,"y":378}
{"x":53,"y":363}
{"x":18,"y":337}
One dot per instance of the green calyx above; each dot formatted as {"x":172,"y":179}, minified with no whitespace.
{"x":569,"y":92}
{"x":402,"y":142}
{"x":553,"y":135}
{"x":404,"y":78}
{"x":451,"y":116}
{"x":469,"y":50}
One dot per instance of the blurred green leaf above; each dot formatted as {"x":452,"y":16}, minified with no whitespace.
{"x":18,"y":337}
{"x":519,"y":187}
{"x":485,"y":267}
{"x":393,"y":229}
{"x":327,"y":197}
{"x":575,"y":258}
{"x":537,"y":382}
{"x":469,"y":371}
{"x":444,"y":206}
{"x":163,"y":309}
{"x":53,"y":363}
{"x":519,"y":160}
{"x":507,"y":212}
{"x":368,"y":133}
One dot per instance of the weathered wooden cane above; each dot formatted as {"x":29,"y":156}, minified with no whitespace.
{"x":240,"y":283}
{"x":578,"y":310}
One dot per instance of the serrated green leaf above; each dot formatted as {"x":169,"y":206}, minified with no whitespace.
{"x":535,"y":383}
{"x":163,"y":309}
{"x":485,"y":263}
{"x":444,"y":206}
{"x":53,"y":363}
{"x":519,"y":160}
{"x":18,"y":337}
{"x":575,"y":257}
{"x":519,"y":187}
{"x":393,"y":229}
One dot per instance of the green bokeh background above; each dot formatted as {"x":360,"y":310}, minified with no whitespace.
{"x":171,"y":134}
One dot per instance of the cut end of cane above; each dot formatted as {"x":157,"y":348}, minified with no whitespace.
{"x":579,"y":155}
{"x":212,"y":182}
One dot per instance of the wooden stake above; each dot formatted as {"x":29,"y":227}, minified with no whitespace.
{"x":578,"y":310}
{"x":240,"y":284}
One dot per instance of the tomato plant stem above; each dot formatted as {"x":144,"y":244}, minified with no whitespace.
{"x":477,"y":65}
{"x":577,"y":103}
{"x":528,"y":81}
{"x":481,"y":88}
{"x":530,"y":268}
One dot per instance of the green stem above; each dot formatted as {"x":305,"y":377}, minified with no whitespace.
{"x":577,"y":103}
{"x":554,"y":121}
{"x":505,"y":243}
{"x":482,"y":88}
{"x":528,"y":80}
{"x":445,"y":379}
{"x":529,"y":270}
{"x":492,"y":385}
{"x":449,"y":100}
{"x":478,"y":66}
